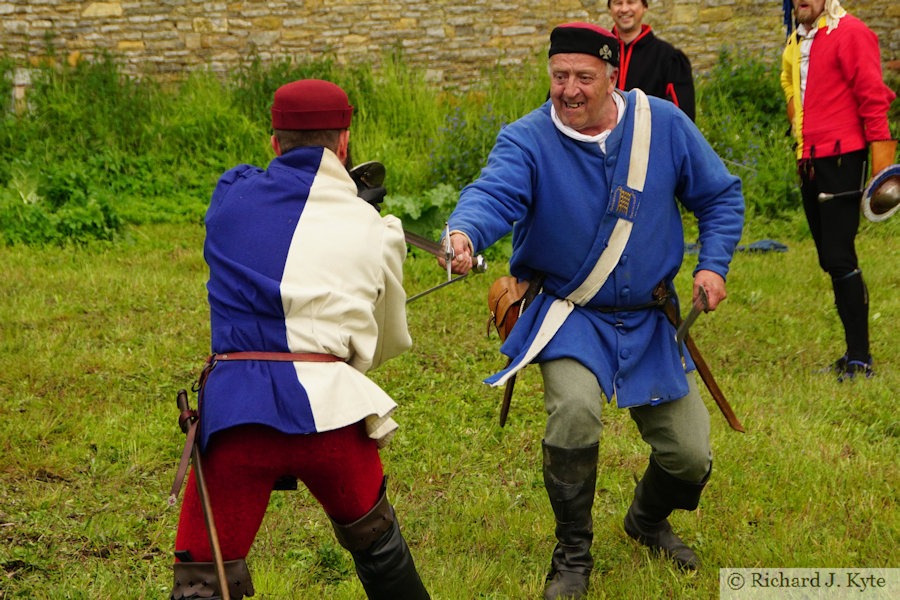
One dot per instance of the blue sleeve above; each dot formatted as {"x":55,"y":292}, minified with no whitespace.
{"x":708,"y":190}
{"x":489,"y":206}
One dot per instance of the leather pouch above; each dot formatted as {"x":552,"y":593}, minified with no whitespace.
{"x":505,"y":300}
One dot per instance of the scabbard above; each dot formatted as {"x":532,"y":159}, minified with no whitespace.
{"x":534,"y":288}
{"x":188,"y":422}
{"x":710,"y":381}
{"x":211,"y":531}
{"x":705,"y":374}
{"x":507,"y":398}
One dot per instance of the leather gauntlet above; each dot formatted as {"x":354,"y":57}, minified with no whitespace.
{"x":882,"y":155}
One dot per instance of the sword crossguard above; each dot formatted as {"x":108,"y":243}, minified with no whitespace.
{"x":479,"y":266}
{"x":447,"y":247}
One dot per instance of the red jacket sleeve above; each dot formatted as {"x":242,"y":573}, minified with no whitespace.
{"x":860,"y":64}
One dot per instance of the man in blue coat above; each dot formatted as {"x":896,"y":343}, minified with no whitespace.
{"x":588,"y":184}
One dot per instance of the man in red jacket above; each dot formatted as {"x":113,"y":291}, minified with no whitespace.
{"x":647,"y":62}
{"x":837,"y":103}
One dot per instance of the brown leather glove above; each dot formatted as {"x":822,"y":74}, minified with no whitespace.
{"x":883,"y":152}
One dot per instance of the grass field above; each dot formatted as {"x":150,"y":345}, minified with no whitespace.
{"x":94,"y":343}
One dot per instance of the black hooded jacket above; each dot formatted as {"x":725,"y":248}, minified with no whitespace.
{"x":658,"y":68}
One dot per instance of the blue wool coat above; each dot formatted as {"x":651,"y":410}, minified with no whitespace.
{"x":557,"y":196}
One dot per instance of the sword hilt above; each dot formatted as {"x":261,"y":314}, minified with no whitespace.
{"x":186,"y":415}
{"x":701,"y":305}
{"x":479,"y":264}
{"x":851,"y":195}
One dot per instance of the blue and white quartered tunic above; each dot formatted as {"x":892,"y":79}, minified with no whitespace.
{"x":562,"y":197}
{"x":299,"y":263}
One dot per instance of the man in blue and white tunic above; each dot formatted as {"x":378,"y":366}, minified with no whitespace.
{"x":588,"y":184}
{"x":305,"y":296}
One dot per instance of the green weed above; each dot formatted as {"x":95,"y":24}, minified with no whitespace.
{"x":741,"y":113}
{"x":152,"y":154}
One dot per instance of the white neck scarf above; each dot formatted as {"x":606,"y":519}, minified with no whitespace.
{"x":833,"y":14}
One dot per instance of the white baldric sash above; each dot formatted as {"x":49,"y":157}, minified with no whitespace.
{"x":561,"y":308}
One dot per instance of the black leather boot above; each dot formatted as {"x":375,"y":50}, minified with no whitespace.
{"x":383,"y":561}
{"x":570,"y":476}
{"x":657,"y":494}
{"x":199,"y":580}
{"x":852,"y":301}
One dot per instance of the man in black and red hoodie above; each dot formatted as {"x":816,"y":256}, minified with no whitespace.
{"x":647,"y":62}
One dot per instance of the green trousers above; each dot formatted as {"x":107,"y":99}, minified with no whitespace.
{"x":677,"y":431}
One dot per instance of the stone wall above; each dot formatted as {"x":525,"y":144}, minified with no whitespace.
{"x":450,"y":39}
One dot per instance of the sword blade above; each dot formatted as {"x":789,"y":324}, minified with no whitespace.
{"x":698,"y":307}
{"x":441,"y":250}
{"x":423,"y":243}
{"x":435,"y":288}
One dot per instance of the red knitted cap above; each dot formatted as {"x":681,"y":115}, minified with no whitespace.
{"x":311,"y":104}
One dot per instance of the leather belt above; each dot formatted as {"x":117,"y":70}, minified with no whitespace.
{"x":277,"y":356}
{"x":189,"y":420}
{"x":656,"y":303}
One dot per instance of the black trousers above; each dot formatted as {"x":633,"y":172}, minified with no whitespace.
{"x":834,"y":224}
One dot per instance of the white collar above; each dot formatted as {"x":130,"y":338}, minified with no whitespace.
{"x":599,"y":138}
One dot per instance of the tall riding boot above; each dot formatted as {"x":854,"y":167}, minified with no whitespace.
{"x":570,"y":476}
{"x":199,"y":580}
{"x":383,"y":562}
{"x":852,"y":301}
{"x":657,"y":494}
